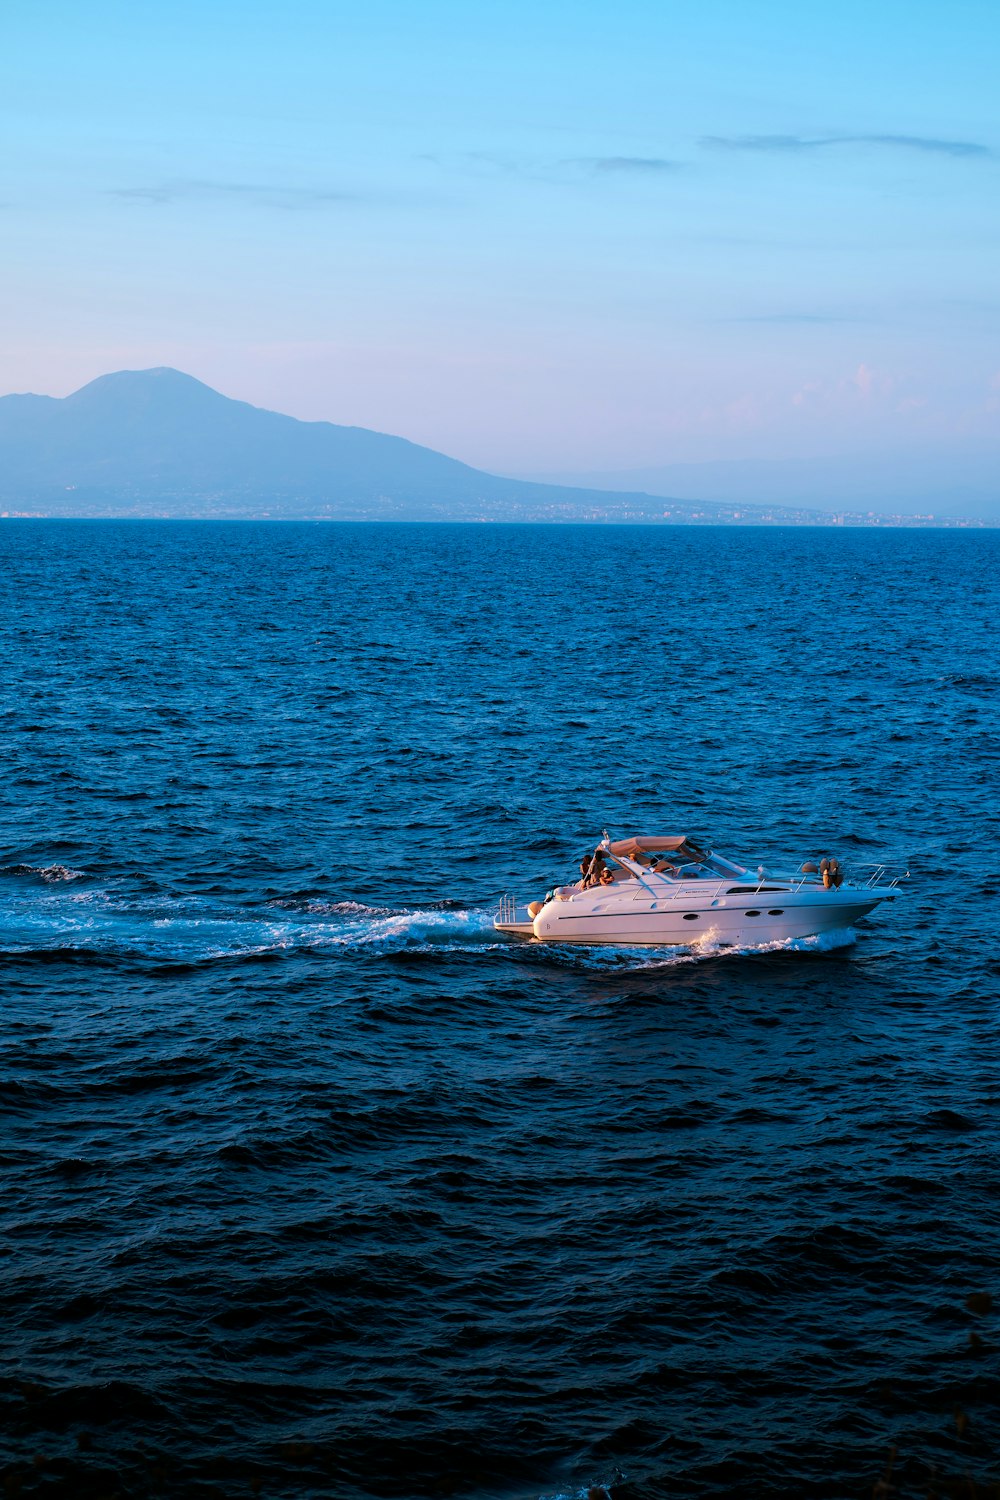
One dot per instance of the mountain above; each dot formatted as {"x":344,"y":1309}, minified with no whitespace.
{"x":161,"y":437}
{"x":160,"y":443}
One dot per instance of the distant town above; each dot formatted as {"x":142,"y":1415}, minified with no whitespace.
{"x":615,"y":511}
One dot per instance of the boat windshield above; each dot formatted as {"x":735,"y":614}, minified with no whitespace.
{"x":677,"y":858}
{"x":724,"y":866}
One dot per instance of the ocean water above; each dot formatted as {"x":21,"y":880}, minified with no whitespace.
{"x":312,"y":1187}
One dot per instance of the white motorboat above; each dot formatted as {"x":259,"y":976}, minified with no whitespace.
{"x":654,"y":890}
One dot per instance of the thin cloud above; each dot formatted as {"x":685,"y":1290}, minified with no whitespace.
{"x":484,"y":163}
{"x":547,"y":170}
{"x":791,"y":144}
{"x":499,"y":162}
{"x":927,"y":143}
{"x":643,"y":165}
{"x":264,"y":194}
{"x":798,"y":317}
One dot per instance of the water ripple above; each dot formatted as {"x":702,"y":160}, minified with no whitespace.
{"x":312,"y":1185}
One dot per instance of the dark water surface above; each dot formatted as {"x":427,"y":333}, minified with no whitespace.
{"x":310,"y":1187}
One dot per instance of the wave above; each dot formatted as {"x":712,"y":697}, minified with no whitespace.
{"x":193,"y":930}
{"x":586,"y":1491}
{"x":104,"y":924}
{"x":606,"y":958}
{"x":48,"y":874}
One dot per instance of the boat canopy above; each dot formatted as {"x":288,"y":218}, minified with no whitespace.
{"x":647,"y":844}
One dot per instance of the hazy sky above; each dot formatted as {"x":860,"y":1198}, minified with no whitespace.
{"x":538,"y":236}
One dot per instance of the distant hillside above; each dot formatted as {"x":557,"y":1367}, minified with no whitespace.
{"x":161,"y":438}
{"x":955,"y":478}
{"x":160,"y":443}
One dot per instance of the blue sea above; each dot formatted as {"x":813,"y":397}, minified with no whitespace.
{"x":313,"y":1187}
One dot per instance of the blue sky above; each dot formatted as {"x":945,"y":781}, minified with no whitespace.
{"x":539,"y":237}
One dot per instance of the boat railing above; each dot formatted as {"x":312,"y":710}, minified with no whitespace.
{"x":756,"y":882}
{"x":867,"y":876}
{"x":880,"y":874}
{"x":793,"y":879}
{"x":682,"y":889}
{"x":508,"y":908}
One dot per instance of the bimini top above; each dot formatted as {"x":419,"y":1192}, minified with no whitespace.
{"x":648,"y":844}
{"x":690,"y":859}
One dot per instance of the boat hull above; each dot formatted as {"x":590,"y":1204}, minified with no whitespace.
{"x":771,"y":918}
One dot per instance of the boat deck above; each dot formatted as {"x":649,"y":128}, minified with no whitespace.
{"x":514,"y":919}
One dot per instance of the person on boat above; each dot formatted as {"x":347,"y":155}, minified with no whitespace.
{"x":606,"y":876}
{"x":595,"y":871}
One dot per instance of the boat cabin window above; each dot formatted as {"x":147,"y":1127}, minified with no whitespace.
{"x":752,"y":890}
